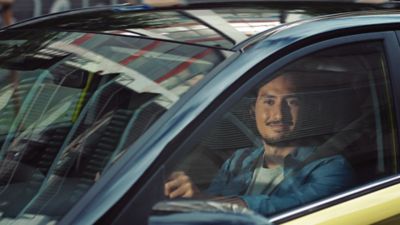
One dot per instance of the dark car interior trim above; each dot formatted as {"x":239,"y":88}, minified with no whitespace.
{"x":394,"y":71}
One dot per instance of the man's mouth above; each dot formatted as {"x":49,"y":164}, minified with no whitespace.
{"x":279,"y":126}
{"x":279,"y":123}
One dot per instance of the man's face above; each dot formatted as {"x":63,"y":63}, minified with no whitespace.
{"x":277,"y":110}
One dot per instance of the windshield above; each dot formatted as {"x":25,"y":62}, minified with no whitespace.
{"x":71,"y":103}
{"x":212,"y":25}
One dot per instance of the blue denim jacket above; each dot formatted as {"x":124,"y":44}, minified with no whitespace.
{"x":317,"y":179}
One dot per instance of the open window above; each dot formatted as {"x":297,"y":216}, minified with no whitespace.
{"x":345,"y":116}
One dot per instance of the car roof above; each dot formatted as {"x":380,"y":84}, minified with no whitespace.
{"x":126,"y":19}
{"x":329,"y":25}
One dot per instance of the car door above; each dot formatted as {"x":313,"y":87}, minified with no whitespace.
{"x":375,"y":203}
{"x":206,"y":143}
{"x":358,"y":96}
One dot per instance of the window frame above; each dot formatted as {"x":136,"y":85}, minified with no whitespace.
{"x":387,"y":38}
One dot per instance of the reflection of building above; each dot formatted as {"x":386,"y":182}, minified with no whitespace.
{"x":156,"y":61}
{"x":245,"y":21}
{"x":221,"y":27}
{"x":25,"y":9}
{"x":163,"y":52}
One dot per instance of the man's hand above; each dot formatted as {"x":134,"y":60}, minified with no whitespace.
{"x":180,"y":185}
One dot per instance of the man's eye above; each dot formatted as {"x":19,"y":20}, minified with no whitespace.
{"x":269,"y":101}
{"x":293,"y":102}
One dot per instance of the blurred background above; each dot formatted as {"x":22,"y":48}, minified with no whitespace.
{"x":18,"y":10}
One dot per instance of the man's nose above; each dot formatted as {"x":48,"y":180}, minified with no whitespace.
{"x":281,"y":111}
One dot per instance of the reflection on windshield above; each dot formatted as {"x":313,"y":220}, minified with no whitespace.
{"x":71,"y":103}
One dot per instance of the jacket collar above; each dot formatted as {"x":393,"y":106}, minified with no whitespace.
{"x":293,"y":159}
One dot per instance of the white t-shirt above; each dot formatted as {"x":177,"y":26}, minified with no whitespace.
{"x":264,"y":180}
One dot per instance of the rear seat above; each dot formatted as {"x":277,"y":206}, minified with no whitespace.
{"x":126,"y":117}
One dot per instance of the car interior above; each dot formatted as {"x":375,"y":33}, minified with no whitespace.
{"x":349,"y":114}
{"x":71,"y":126}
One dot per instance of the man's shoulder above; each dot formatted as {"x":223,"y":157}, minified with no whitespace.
{"x":244,"y":158}
{"x":310,"y":157}
{"x":329,"y":164}
{"x":249,"y":152}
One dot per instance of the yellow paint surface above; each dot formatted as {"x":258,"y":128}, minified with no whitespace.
{"x":370,"y":208}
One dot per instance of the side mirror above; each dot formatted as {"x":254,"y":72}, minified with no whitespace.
{"x":180,"y":212}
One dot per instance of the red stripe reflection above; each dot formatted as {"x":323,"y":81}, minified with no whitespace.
{"x":82,"y":39}
{"x":181,"y":67}
{"x":140,"y":53}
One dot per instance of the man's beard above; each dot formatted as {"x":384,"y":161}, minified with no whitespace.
{"x":282,"y":141}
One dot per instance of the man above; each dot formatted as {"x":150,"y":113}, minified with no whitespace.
{"x":6,"y":12}
{"x":274,"y":176}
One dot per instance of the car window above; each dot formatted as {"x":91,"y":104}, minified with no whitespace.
{"x":71,"y":103}
{"x":323,"y":124}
